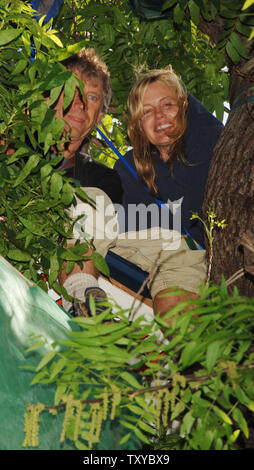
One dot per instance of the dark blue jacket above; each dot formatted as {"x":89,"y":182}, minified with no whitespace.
{"x":202,"y":134}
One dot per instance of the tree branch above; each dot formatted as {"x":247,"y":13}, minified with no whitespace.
{"x":132,"y":394}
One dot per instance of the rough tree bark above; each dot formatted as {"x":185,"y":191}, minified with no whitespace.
{"x":230,"y":183}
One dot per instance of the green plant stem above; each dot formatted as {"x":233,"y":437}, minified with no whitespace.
{"x":132,"y":394}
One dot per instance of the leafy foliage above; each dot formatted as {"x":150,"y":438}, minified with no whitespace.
{"x":130,"y":34}
{"x":34,"y":197}
{"x":203,"y":376}
{"x":35,"y":224}
{"x":126,"y":41}
{"x":190,"y":389}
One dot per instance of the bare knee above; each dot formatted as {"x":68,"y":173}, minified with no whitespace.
{"x":86,"y":268}
{"x":163,"y":303}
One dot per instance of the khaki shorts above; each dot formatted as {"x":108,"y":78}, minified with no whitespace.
{"x":162,"y":252}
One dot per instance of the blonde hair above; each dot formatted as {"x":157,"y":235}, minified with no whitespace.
{"x":142,"y":148}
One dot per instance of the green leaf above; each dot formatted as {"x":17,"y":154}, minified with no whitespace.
{"x":241,"y":396}
{"x":200,"y":402}
{"x":38,"y":378}
{"x":81,"y":446}
{"x":247,"y":4}
{"x":229,"y":13}
{"x":135,"y":409}
{"x":31,"y":226}
{"x":56,"y":80}
{"x":238,"y":45}
{"x":18,"y":255}
{"x":70,"y":50}
{"x":79,"y":249}
{"x":213,"y":11}
{"x":141,"y":436}
{"x":178,"y":409}
{"x":70,"y":254}
{"x":125,"y":438}
{"x":232,"y":53}
{"x":234,"y":436}
{"x":56,"y":184}
{"x":194,"y":12}
{"x":46,"y":170}
{"x":55,"y":39}
{"x":82,"y":194}
{"x":8,"y":35}
{"x":67,"y":194}
{"x":54,"y":94}
{"x":69,"y":267}
{"x":38,"y":111}
{"x":46,"y":359}
{"x":100,"y":263}
{"x":243,"y":29}
{"x":23,"y":151}
{"x":187,"y":423}
{"x":222,"y":415}
{"x":241,"y":421}
{"x":128,"y":425}
{"x":36,"y":345}
{"x":219,"y":108}
{"x":54,"y":268}
{"x":57,"y":128}
{"x":146,"y":427}
{"x":191,"y":353}
{"x":29,"y":166}
{"x":59,"y":365}
{"x":178,"y":14}
{"x":69,"y":90}
{"x":130,"y":379}
{"x":168,"y":4}
{"x":187,"y":395}
{"x":212,"y":354}
{"x":20,"y":66}
{"x":48,"y":141}
{"x":250,"y":405}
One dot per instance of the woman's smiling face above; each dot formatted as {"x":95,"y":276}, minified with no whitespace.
{"x":160,"y":114}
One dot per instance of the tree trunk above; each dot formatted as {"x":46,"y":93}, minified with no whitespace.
{"x":230,"y":182}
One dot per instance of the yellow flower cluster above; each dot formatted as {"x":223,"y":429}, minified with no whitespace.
{"x":31,"y":426}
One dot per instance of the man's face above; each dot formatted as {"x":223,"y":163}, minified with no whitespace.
{"x":83,"y":114}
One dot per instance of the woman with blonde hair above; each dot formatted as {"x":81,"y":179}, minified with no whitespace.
{"x":172,"y":136}
{"x":142,"y":114}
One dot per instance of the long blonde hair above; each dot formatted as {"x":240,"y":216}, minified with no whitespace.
{"x":142,"y":148}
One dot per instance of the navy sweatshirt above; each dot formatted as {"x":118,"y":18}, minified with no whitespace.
{"x":187,"y":185}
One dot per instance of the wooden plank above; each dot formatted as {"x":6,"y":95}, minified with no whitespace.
{"x":142,"y":299}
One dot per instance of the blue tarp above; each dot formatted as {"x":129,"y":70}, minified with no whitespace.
{"x":50,"y":8}
{"x":26,"y":311}
{"x":127,"y":273}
